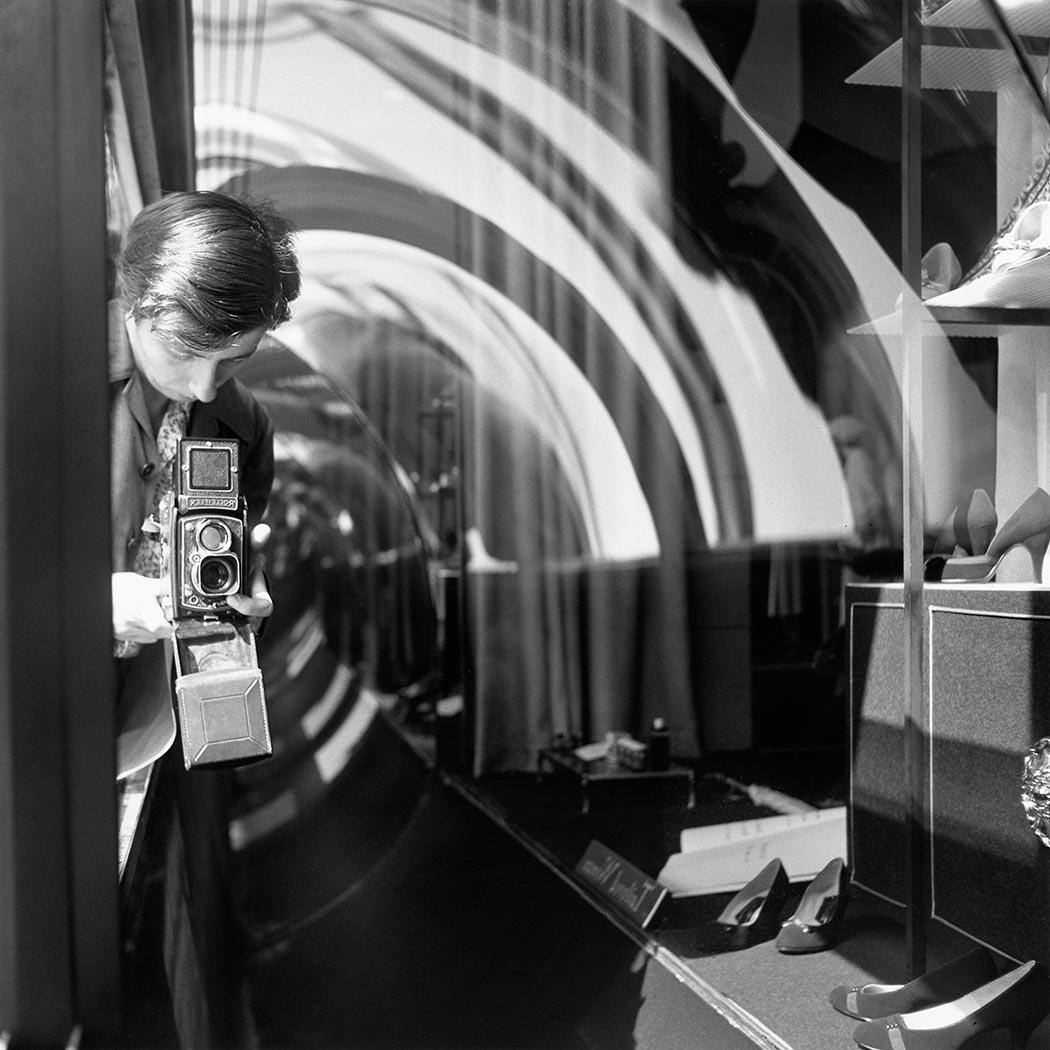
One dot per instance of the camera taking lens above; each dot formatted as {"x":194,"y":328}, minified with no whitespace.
{"x":215,"y":576}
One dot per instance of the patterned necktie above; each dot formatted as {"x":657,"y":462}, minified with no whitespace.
{"x":151,"y":554}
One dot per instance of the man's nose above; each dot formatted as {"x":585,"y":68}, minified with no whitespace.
{"x":203,"y":385}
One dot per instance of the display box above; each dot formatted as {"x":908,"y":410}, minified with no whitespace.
{"x":986,"y":678}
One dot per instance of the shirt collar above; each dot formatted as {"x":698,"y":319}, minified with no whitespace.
{"x":121,"y":362}
{"x":122,"y":369}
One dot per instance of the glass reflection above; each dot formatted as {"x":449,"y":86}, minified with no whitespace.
{"x":623,"y":291}
{"x":606,"y":325}
{"x":347,"y":550}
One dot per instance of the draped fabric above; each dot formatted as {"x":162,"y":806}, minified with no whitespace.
{"x":228,"y":65}
{"x":577,"y":643}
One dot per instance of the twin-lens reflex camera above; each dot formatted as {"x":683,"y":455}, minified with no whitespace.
{"x":219,"y":685}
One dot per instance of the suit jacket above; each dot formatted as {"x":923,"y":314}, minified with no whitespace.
{"x":144,"y":704}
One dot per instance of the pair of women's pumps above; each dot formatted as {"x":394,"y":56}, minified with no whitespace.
{"x":974,"y":547}
{"x":949,"y":1008}
{"x":752,"y":916}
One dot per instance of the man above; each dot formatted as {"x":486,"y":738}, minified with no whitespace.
{"x":202,"y":277}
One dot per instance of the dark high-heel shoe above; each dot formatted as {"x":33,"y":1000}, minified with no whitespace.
{"x":1015,"y":1002}
{"x":948,"y":982}
{"x":1028,"y":527}
{"x":818,"y":917}
{"x":751,"y":916}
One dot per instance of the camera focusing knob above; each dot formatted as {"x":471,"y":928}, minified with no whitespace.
{"x":147,"y":470}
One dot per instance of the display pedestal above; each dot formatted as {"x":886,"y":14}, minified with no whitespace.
{"x":987,"y":689}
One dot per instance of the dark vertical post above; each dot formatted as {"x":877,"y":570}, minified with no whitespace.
{"x":911,"y":328}
{"x":166,"y":27}
{"x":59,"y":930}
{"x":470,"y":632}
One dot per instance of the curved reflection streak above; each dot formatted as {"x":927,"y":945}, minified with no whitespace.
{"x":408,"y":219}
{"x":508,"y":355}
{"x":523,"y":185}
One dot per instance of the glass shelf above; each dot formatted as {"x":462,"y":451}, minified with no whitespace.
{"x":974,"y":322}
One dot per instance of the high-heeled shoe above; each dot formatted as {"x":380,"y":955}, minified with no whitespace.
{"x":969,"y":528}
{"x":818,"y":918}
{"x":941,"y":271}
{"x":1015,"y":1002}
{"x":948,"y":982}
{"x":1016,"y":266}
{"x":1011,"y":270}
{"x":1028,"y":526}
{"x":751,"y":916}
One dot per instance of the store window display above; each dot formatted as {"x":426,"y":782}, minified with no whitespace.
{"x":643,"y":356}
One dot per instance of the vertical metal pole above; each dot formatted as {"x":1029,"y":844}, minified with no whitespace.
{"x":469,"y":631}
{"x":59,"y":917}
{"x":914,"y":636}
{"x":470,"y":253}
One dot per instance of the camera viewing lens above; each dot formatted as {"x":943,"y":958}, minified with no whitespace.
{"x":215,"y":576}
{"x":213,"y":536}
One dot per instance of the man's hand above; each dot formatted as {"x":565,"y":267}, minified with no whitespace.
{"x":258,"y":605}
{"x":137,"y":612}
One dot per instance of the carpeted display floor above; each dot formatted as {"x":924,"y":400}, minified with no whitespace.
{"x":394,"y":907}
{"x":784,"y":995}
{"x":433,"y":928}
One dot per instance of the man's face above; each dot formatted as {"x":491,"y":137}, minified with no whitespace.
{"x":187,"y":375}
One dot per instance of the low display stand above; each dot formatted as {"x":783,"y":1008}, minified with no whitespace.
{"x":986,"y":685}
{"x":606,"y":781}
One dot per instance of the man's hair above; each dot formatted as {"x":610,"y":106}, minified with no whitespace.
{"x":205,"y":268}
